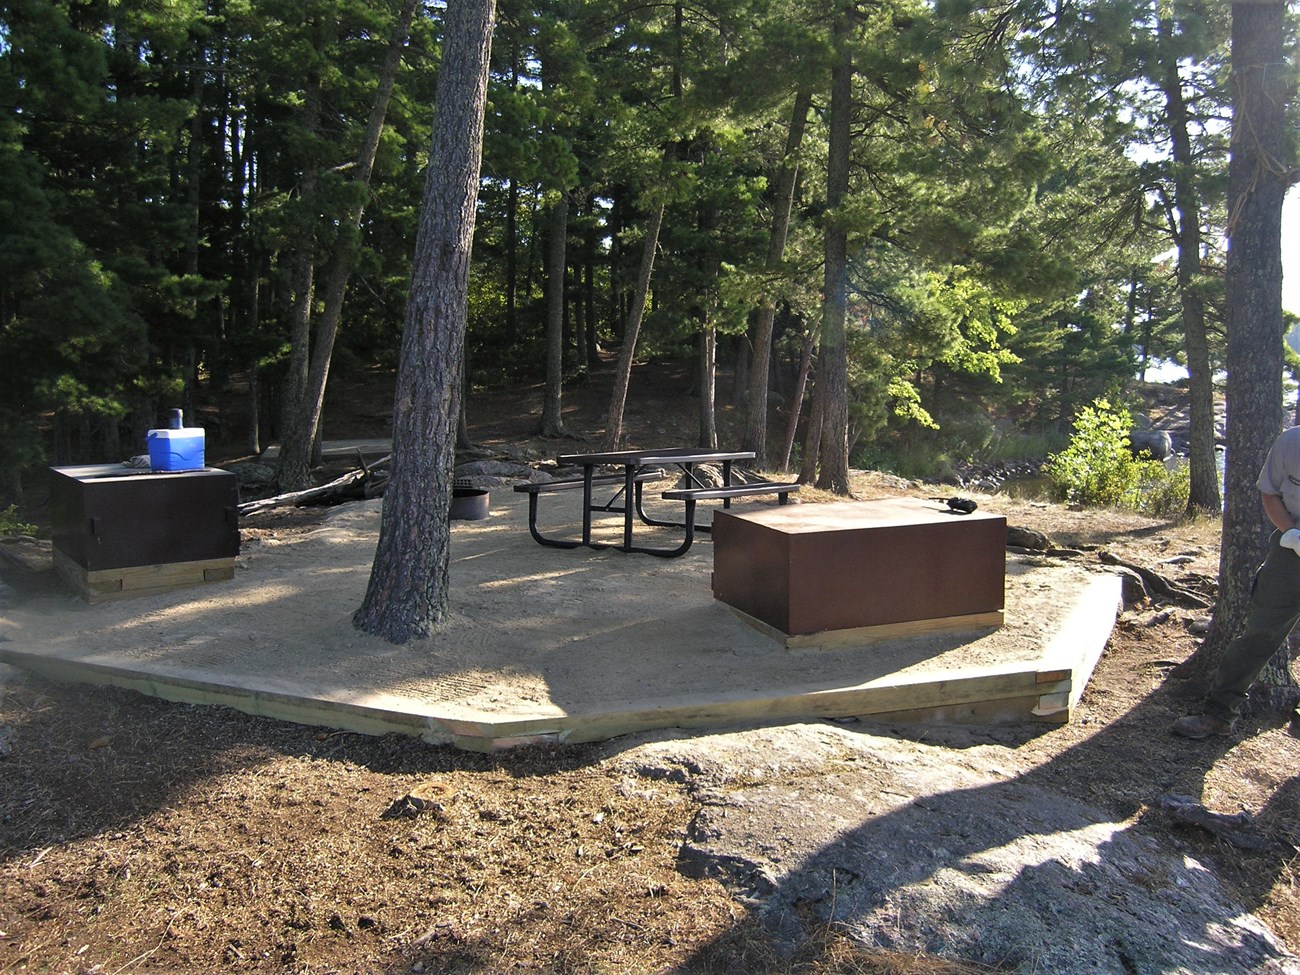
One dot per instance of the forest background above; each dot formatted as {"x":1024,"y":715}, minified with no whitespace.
{"x":209,"y":199}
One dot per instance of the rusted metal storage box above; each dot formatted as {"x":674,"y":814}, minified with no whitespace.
{"x":812,"y":568}
{"x":118,"y":532}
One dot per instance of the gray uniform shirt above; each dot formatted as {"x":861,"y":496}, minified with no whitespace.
{"x":1281,"y":472}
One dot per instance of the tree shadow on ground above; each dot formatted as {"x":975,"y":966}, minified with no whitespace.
{"x":1102,"y":883}
{"x":118,"y":771}
{"x":85,"y":760}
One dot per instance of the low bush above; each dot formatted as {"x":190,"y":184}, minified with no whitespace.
{"x":1098,"y":468}
{"x":10,"y":525}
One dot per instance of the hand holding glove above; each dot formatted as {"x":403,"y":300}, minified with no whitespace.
{"x":1291,"y":539}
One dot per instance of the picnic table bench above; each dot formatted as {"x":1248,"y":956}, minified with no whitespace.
{"x":690,"y":496}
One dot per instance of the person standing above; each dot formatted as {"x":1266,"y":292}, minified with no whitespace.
{"x":1274,"y":598}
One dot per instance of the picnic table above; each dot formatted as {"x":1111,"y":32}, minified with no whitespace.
{"x":639,"y":467}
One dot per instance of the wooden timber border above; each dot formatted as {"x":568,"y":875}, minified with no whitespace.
{"x":103,"y":585}
{"x":1044,"y":690}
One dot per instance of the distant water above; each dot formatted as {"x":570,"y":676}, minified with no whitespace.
{"x":1160,"y":371}
{"x":1028,"y":487}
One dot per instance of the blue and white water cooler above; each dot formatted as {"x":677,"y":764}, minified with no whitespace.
{"x":176,"y":448}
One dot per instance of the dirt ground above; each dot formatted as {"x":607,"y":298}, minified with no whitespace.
{"x":141,"y":836}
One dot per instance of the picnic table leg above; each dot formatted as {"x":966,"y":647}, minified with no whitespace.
{"x":586,"y":503}
{"x":536,"y":532}
{"x":629,"y":488}
{"x":646,"y":519}
{"x":658,"y":522}
{"x":726,"y":481}
{"x":688,"y":522}
{"x":672,"y":553}
{"x":640,"y":505}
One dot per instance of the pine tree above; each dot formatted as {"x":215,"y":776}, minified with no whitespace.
{"x":407,"y":594}
{"x":1262,"y":167}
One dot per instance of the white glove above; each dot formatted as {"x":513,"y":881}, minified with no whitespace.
{"x":1291,"y":539}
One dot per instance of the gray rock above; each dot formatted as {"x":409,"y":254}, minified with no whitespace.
{"x":1155,"y":442}
{"x":706,"y":475}
{"x":520,"y":454}
{"x":253,"y":474}
{"x":489,"y":474}
{"x":1027,"y":538}
{"x":504,"y":470}
{"x":904,"y":847}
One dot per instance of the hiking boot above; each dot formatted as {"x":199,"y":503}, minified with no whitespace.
{"x":1200,"y":726}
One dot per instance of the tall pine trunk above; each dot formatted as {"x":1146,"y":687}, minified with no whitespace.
{"x":1258,"y":175}
{"x":1204,"y":494}
{"x":797,"y":397}
{"x":636,"y":310}
{"x":760,"y":370}
{"x":301,"y":433}
{"x":556,"y":247}
{"x":589,"y":291}
{"x":632,"y":329}
{"x":293,"y":471}
{"x":708,"y":339}
{"x":407,"y":595}
{"x":578,"y":303}
{"x":832,"y":390}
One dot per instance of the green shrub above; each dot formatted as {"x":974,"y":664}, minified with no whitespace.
{"x":10,"y":525}
{"x":1097,"y":468}
{"x":1164,"y":492}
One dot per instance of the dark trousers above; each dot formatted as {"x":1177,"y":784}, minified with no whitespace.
{"x":1274,"y":610}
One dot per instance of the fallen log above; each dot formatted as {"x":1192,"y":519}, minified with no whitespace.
{"x":337,"y":488}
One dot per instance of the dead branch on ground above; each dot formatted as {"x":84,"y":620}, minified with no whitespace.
{"x":345,"y":487}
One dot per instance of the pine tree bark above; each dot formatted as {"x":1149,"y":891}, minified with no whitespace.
{"x":556,"y":247}
{"x":1204,"y":494}
{"x":796,"y":400}
{"x":293,"y":470}
{"x":512,"y":262}
{"x":631,"y":331}
{"x":1260,"y":168}
{"x":812,"y":444}
{"x":755,"y":438}
{"x":589,"y":292}
{"x":512,"y":231}
{"x":578,"y":303}
{"x":301,"y":433}
{"x":832,"y":391}
{"x":408,"y":591}
{"x":708,"y":358}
